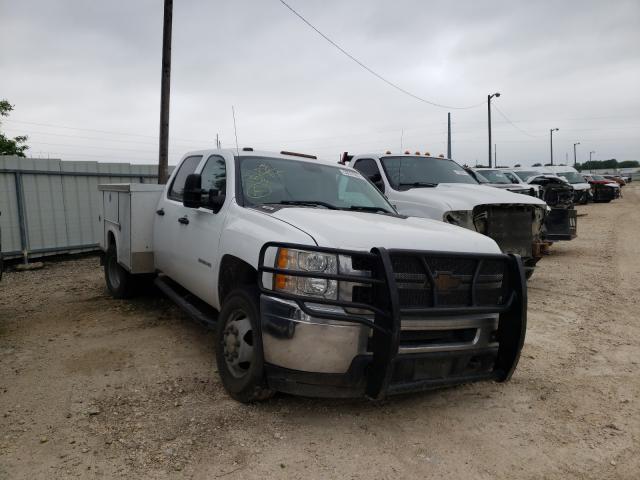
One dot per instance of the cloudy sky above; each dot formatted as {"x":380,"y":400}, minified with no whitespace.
{"x":84,"y":77}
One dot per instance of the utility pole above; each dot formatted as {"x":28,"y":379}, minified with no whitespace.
{"x":575,"y":161}
{"x":449,"y":135}
{"x":590,"y":153}
{"x":551,"y":139}
{"x":163,"y":157}
{"x":495,"y":155}
{"x":489,"y":97}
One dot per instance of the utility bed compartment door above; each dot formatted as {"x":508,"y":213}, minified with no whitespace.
{"x":128,"y":212}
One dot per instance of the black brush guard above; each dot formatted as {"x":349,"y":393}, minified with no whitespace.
{"x":561,"y":224}
{"x":388,"y":313}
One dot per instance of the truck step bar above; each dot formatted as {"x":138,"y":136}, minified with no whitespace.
{"x":190,"y":304}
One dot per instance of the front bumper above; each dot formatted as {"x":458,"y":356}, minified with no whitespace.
{"x":318,"y":349}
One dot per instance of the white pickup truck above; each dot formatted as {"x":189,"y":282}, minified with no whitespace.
{"x":314,"y":283}
{"x":439,"y":188}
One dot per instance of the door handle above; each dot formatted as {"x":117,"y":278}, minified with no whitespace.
{"x":160,"y":212}
{"x":183,"y":220}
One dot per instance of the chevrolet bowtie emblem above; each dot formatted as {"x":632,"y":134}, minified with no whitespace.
{"x":446,"y":281}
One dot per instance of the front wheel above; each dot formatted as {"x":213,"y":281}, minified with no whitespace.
{"x":239,"y":353}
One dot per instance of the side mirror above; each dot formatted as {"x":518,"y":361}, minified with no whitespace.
{"x":192,"y":193}
{"x":215,"y":200}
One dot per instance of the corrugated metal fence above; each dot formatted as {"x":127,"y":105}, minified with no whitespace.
{"x":49,"y":206}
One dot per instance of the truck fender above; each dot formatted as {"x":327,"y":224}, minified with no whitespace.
{"x":233,"y":273}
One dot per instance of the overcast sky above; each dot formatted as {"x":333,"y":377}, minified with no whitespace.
{"x":95,"y":66}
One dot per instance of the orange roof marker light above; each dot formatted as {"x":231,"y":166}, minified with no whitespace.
{"x":441,"y":155}
{"x":388,"y":152}
{"x":427,"y":154}
{"x":407,"y":152}
{"x":417,"y":153}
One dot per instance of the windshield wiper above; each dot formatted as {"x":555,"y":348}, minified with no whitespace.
{"x":418,"y":184}
{"x":307,"y":203}
{"x":365,"y":208}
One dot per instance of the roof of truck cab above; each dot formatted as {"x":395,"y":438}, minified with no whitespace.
{"x":382,"y":155}
{"x":261,"y":153}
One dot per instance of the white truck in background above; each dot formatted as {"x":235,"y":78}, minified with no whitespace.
{"x":314,"y":283}
{"x":440,"y":189}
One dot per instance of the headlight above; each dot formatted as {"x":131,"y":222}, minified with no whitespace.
{"x":306,"y":261}
{"x":461,"y":218}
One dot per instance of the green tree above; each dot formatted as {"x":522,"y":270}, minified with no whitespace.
{"x":629,"y":164}
{"x":11,"y":146}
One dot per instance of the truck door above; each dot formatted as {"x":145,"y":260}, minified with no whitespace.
{"x":169,"y":225}
{"x":201,"y":237}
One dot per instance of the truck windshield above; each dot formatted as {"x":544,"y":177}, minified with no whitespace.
{"x":524,"y":174}
{"x":404,"y":172}
{"x":495,"y":176}
{"x":267,"y":180}
{"x":571,"y":177}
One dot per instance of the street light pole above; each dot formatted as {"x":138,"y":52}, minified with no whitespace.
{"x":163,"y":155}
{"x":489,"y":97}
{"x":449,"y":135}
{"x":590,"y":154}
{"x":574,"y":154}
{"x":551,"y":143}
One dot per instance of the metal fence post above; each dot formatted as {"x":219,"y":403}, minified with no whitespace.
{"x":22,"y":218}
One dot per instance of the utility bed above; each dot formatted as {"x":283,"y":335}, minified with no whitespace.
{"x":122,"y":206}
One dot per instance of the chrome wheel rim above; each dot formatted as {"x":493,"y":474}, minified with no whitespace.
{"x":238,"y":344}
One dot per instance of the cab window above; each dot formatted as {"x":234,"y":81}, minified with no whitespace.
{"x":214,"y":175}
{"x":369,"y":168}
{"x":187,"y":167}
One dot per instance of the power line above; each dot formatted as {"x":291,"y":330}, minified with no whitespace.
{"x":117,"y":140}
{"x":373,"y":72}
{"x":97,"y":131}
{"x":514,"y":125}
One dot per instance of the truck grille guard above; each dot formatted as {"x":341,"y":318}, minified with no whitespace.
{"x":388,"y":311}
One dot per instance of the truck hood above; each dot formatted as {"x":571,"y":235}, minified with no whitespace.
{"x":364,"y":231}
{"x":581,"y":186}
{"x":459,"y":196}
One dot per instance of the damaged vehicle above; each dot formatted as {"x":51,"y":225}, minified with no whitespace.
{"x":603,"y":190}
{"x":494,"y":177}
{"x":441,"y":189}
{"x":581,"y":189}
{"x":313,"y":282}
{"x":561,"y":223}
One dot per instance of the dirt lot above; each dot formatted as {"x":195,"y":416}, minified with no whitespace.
{"x":93,"y":387}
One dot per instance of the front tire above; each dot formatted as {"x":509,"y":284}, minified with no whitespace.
{"x":239,"y":353}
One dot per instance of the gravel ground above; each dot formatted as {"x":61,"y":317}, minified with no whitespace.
{"x":93,"y":387}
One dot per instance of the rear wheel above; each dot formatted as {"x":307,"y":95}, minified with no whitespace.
{"x":239,"y":353}
{"x":119,"y":282}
